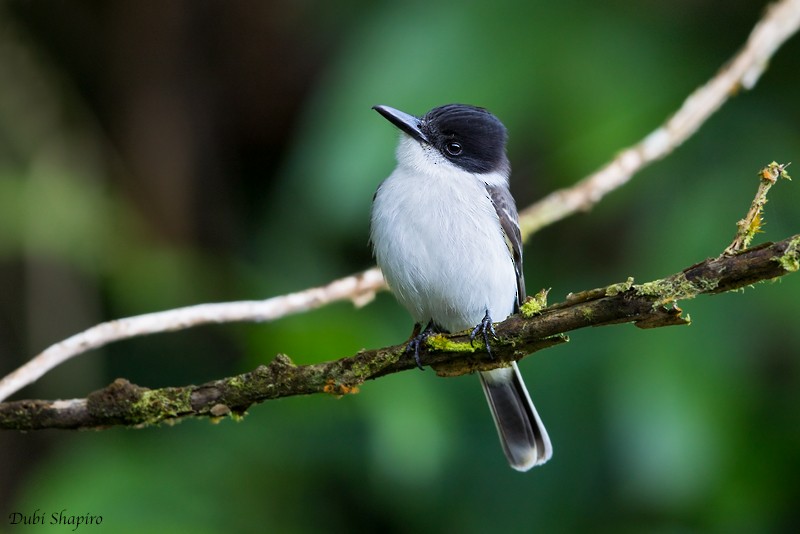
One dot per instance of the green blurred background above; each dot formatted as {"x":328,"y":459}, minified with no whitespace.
{"x":156,"y":155}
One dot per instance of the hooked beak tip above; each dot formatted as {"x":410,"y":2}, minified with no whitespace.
{"x":409,"y":124}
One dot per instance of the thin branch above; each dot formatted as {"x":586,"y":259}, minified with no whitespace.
{"x":780,"y":22}
{"x":649,"y":305}
{"x":753,"y":221}
{"x":359,"y":288}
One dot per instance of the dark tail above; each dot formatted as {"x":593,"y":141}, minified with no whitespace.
{"x":521,"y":432}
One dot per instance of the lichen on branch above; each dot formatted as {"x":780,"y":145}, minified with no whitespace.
{"x":649,"y":305}
{"x":754,"y":221}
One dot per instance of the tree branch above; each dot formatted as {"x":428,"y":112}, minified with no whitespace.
{"x":649,"y":305}
{"x":780,"y":21}
{"x":359,"y":288}
{"x":748,"y":227}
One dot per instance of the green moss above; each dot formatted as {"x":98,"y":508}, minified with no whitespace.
{"x":441,"y":343}
{"x":790,"y":260}
{"x":236,"y":382}
{"x":702,"y":285}
{"x":155,"y":406}
{"x":535,"y":304}
{"x":675,"y":288}
{"x":655,"y":288}
{"x":616,"y":289}
{"x":366,"y":365}
{"x":237,"y":416}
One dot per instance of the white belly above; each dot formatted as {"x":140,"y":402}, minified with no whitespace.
{"x":441,"y":248}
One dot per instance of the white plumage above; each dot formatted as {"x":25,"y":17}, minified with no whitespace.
{"x":445,"y":234}
{"x":439,"y":242}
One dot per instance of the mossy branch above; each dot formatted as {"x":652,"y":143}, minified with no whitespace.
{"x":781,"y":20}
{"x":752,"y":223}
{"x":648,"y":305}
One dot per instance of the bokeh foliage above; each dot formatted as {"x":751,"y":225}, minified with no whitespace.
{"x":158,"y":156}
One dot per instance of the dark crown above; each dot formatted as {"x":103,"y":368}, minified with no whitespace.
{"x":469,"y":136}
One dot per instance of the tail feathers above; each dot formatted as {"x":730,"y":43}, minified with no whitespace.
{"x":522,"y":434}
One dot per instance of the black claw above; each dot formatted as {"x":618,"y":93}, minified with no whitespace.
{"x":485,"y":327}
{"x":413,"y":345}
{"x":417,"y":341}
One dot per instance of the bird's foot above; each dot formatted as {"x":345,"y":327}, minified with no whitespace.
{"x":418,"y":340}
{"x":484,"y":328}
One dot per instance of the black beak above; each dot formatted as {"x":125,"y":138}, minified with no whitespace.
{"x":408,"y":123}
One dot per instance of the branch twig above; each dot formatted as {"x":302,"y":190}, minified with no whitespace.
{"x":752,"y":222}
{"x":648,"y":305}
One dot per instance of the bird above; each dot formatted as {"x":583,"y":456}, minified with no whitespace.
{"x":445,"y":233}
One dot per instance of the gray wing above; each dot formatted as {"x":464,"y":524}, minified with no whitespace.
{"x":506,"y":210}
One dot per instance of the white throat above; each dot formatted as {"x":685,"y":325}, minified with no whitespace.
{"x":438,"y":240}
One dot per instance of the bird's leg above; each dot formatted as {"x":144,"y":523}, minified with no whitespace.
{"x":418,"y":338}
{"x":415,"y":332}
{"x":485,"y":327}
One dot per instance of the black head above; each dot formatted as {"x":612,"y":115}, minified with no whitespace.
{"x":468,"y":136}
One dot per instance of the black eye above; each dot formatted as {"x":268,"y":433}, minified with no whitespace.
{"x":453,"y":148}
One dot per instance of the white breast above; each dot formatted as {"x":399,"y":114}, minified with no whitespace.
{"x":439,"y":243}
